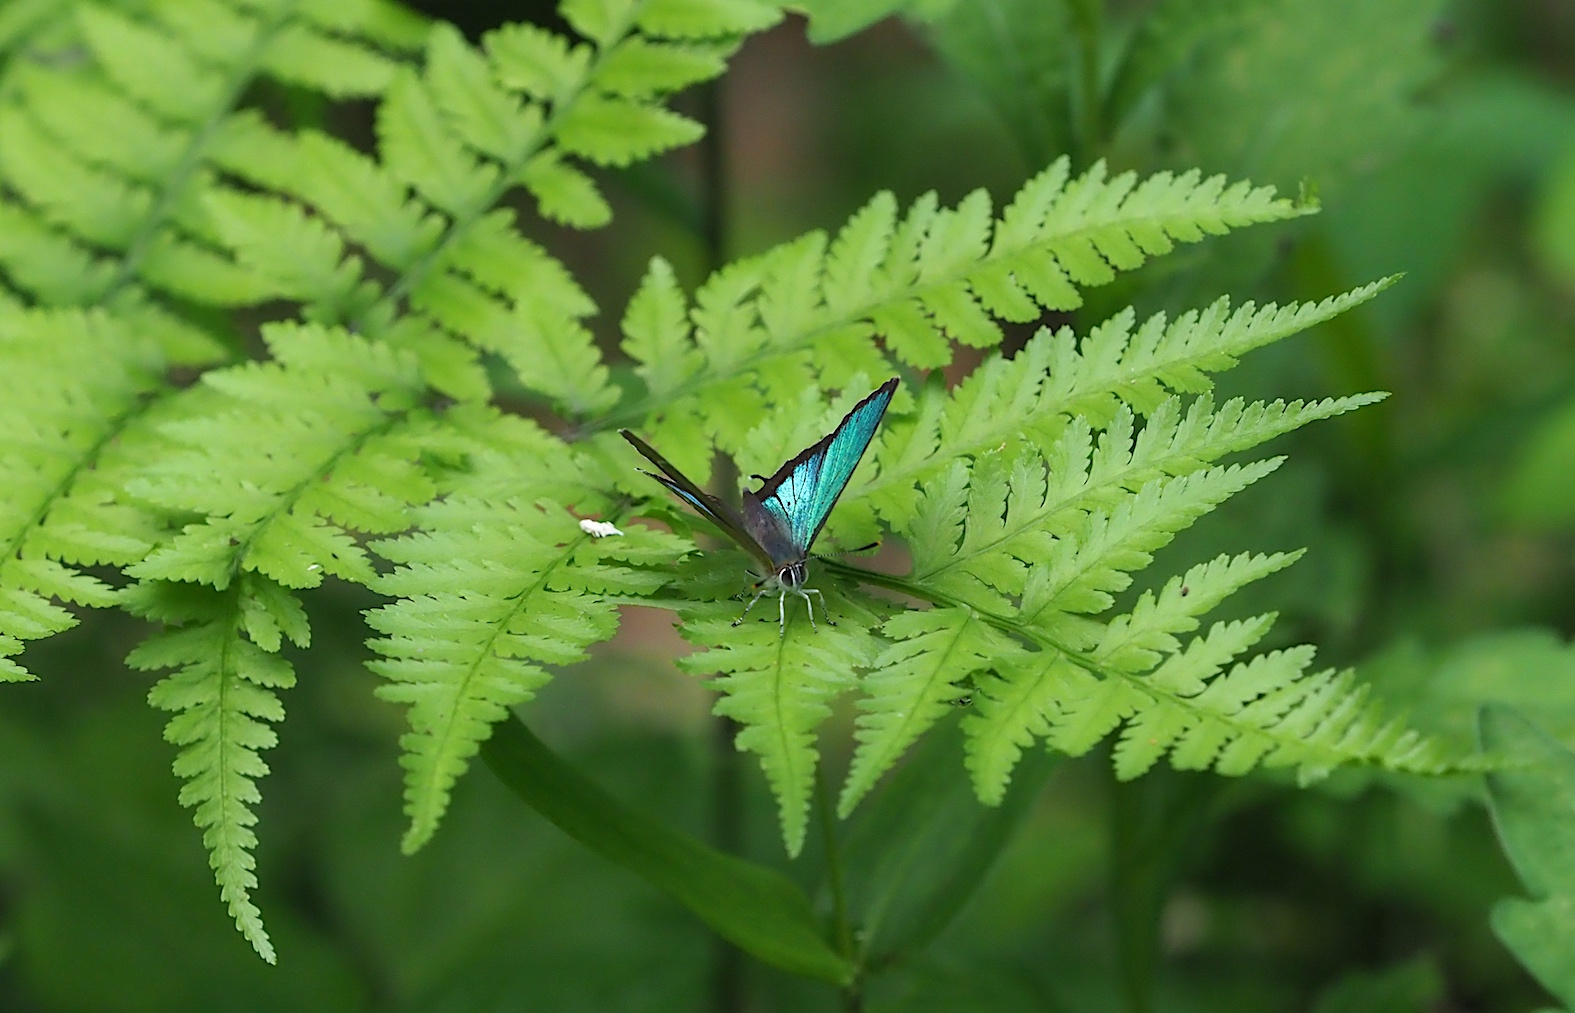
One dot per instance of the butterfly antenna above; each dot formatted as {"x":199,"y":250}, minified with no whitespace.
{"x":846,"y":552}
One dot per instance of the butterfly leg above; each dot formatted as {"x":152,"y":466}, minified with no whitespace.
{"x":782,"y":614}
{"x":823,"y":613}
{"x":759,"y":595}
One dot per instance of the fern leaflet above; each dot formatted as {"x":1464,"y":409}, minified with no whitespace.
{"x":493,"y":591}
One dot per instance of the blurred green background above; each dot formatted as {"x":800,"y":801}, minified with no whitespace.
{"x":1440,"y":138}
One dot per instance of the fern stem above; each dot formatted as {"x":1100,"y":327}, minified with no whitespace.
{"x":841,"y":927}
{"x":728,"y":990}
{"x":842,"y":930}
{"x":192,"y":159}
{"x":1086,"y":17}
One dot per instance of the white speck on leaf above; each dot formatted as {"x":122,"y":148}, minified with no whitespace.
{"x":598,"y":529}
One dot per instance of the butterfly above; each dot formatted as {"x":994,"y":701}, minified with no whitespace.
{"x":780,"y":520}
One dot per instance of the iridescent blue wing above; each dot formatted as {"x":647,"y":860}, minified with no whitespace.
{"x":786,"y":514}
{"x":713,"y":509}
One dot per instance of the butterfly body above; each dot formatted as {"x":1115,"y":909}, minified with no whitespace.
{"x":780,"y":521}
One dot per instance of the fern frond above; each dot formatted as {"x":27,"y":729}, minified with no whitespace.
{"x":461,"y":134}
{"x":63,"y":430}
{"x":491,"y":590}
{"x":344,"y":415}
{"x":939,"y":275}
{"x":104,"y":163}
{"x":1083,"y":571}
{"x":913,"y":682}
{"x":1019,"y":506}
{"x":1011,"y":710}
{"x":1264,"y":712}
{"x":780,"y":688}
{"x":223,"y":645}
{"x":1033,"y":395}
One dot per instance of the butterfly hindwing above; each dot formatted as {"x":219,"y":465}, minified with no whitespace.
{"x":786,"y":514}
{"x":708,"y":506}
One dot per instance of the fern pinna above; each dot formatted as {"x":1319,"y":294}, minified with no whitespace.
{"x":148,"y":187}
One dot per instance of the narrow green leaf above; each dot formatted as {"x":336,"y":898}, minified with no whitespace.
{"x":757,"y":909}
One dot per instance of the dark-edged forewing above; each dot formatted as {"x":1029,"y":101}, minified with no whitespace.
{"x":713,"y":509}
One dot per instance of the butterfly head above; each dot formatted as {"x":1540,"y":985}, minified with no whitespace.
{"x":794,"y":574}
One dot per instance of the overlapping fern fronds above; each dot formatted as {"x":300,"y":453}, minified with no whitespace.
{"x":817,"y":312}
{"x":140,"y":180}
{"x":68,"y":436}
{"x":141,"y":194}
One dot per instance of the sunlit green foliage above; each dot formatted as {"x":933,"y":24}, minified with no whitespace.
{"x":364,"y":439}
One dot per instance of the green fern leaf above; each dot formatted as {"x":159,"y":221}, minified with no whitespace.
{"x":132,"y":132}
{"x":1055,"y":378}
{"x":346,"y":186}
{"x":1011,"y":710}
{"x":421,"y":148}
{"x":223,"y":697}
{"x":494,"y":590}
{"x":913,"y":283}
{"x":780,"y":688}
{"x":564,"y":194}
{"x":638,"y":68}
{"x":150,"y":66}
{"x":1083,"y":571}
{"x":43,"y":262}
{"x":540,"y":63}
{"x":656,"y":331}
{"x":342,"y":411}
{"x":97,"y":205}
{"x":1135,"y":642}
{"x":601,"y":21}
{"x":334,"y":66}
{"x":90,"y":118}
{"x":295,"y":255}
{"x":615,"y":131}
{"x":913,"y":682}
{"x":1187,"y":672}
{"x":484,"y":115}
{"x":703,"y":19}
{"x":67,"y":433}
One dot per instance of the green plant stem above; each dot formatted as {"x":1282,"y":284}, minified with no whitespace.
{"x":842,"y":931}
{"x":1088,"y":128}
{"x":727,"y":795}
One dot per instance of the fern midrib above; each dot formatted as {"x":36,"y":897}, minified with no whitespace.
{"x":1123,"y":376}
{"x":1044,"y":641}
{"x":427,"y":792}
{"x":909,"y":718}
{"x":1047,"y":513}
{"x":287,"y":500}
{"x":225,"y":844}
{"x":416,"y":273}
{"x":794,"y":344}
{"x":85,"y":461}
{"x":194,"y":156}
